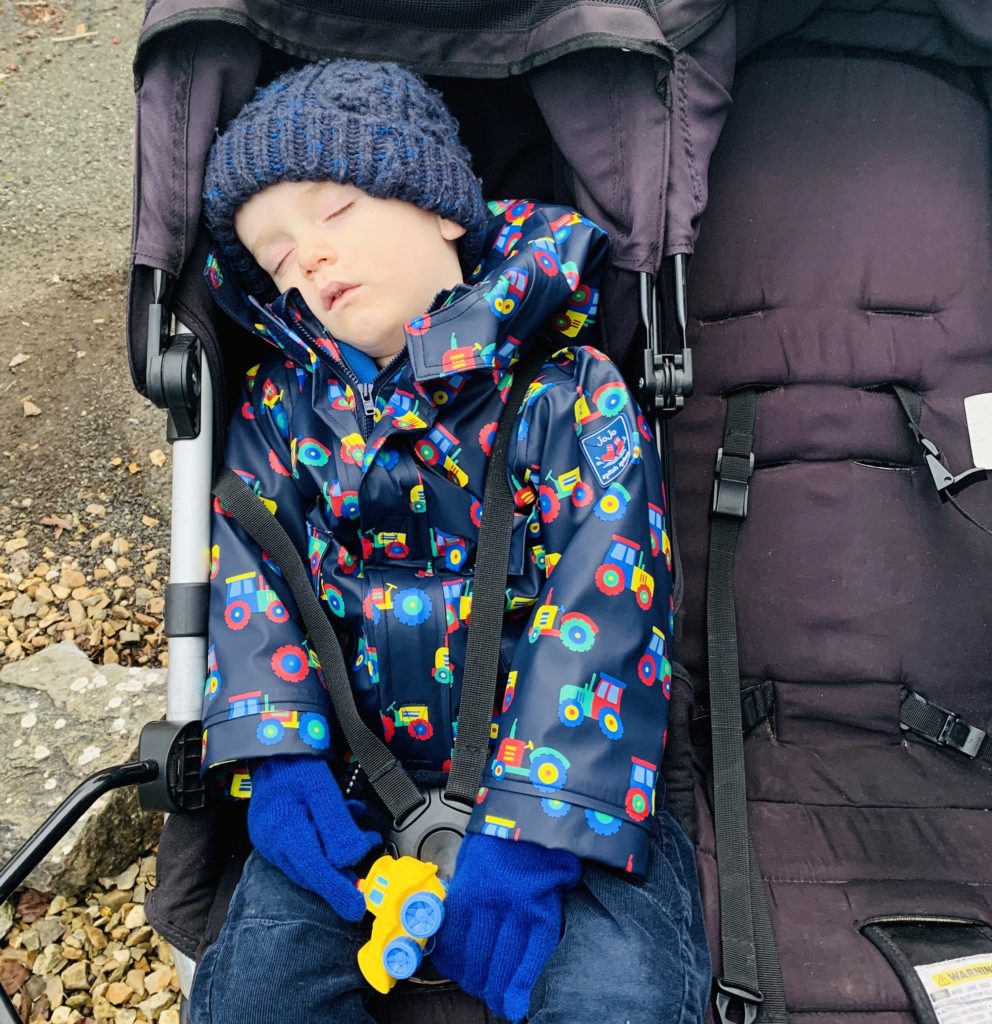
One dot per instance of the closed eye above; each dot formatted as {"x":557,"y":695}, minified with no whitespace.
{"x":282,"y":263}
{"x":343,"y":209}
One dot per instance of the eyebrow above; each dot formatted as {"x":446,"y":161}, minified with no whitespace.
{"x":269,"y":235}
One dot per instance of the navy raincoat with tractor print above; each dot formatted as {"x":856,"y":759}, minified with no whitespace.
{"x":379,"y":485}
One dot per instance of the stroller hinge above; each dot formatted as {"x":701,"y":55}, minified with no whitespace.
{"x":172,"y":368}
{"x":666,"y":379}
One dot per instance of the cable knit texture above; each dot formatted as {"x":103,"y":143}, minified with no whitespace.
{"x":374,"y":125}
{"x":502,"y":918}
{"x":300,"y":822}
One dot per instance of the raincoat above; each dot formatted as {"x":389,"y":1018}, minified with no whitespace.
{"x":380,"y":485}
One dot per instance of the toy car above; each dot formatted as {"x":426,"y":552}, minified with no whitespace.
{"x":407,"y":900}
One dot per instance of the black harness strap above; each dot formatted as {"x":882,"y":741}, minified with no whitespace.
{"x":391,"y":782}
{"x":942,"y":727}
{"x":751,"y":978}
{"x":395,"y":788}
{"x":481,"y":671}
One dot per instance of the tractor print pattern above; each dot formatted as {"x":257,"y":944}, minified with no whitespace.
{"x":381,"y":491}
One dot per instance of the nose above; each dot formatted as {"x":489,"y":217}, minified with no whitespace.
{"x":315,"y":252}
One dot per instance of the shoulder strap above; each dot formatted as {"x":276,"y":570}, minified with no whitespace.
{"x":489,"y":598}
{"x":394,"y":786}
{"x":751,"y":976}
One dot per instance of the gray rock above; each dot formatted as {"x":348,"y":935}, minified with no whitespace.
{"x":62,"y":718}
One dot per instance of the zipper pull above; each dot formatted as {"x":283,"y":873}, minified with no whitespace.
{"x":365,"y":390}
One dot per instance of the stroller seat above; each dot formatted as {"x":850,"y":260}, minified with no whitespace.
{"x":846,"y":247}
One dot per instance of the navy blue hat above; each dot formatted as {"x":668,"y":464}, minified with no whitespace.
{"x":374,"y":125}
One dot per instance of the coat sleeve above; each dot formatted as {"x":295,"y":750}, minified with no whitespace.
{"x":576,"y":760}
{"x":264,"y":693}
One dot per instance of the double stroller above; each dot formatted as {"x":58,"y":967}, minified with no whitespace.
{"x":827,"y":166}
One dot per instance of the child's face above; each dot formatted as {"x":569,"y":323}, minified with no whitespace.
{"x":317,"y":236}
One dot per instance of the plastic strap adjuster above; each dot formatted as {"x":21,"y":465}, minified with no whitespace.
{"x":730,"y":494}
{"x":959,"y":735}
{"x":730,"y":995}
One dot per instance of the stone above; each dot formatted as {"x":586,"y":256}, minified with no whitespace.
{"x":159,"y":980}
{"x":118,"y":993}
{"x":61,"y":685}
{"x":50,"y":961}
{"x":135,"y":917}
{"x":154,"y":1005}
{"x":135,"y":980}
{"x":103,"y":1009}
{"x":50,"y":929}
{"x":126,"y":1016}
{"x":76,"y":976}
{"x":54,"y":990}
{"x":170,"y":1016}
{"x":115,"y":900}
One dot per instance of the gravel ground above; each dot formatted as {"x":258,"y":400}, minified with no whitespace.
{"x":84,"y":468}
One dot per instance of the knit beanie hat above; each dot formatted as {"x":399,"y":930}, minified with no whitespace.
{"x":374,"y":125}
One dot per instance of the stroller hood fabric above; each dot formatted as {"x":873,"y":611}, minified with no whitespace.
{"x":380,"y":487}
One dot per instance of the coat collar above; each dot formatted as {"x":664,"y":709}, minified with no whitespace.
{"x":511,"y":298}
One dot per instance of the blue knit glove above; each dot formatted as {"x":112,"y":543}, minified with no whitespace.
{"x":502,"y":918}
{"x":300,"y":822}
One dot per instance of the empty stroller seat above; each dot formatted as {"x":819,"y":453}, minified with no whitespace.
{"x":846,"y":248}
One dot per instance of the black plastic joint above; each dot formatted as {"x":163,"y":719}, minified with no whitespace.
{"x":186,"y":609}
{"x":731,"y":996}
{"x":959,"y":735}
{"x":730,"y":494}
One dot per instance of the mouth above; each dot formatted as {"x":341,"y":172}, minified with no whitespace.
{"x":337,"y":293}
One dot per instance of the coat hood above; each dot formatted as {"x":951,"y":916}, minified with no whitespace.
{"x":521,"y":287}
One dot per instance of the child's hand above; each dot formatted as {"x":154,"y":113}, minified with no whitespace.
{"x":502,"y":918}
{"x":300,"y":822}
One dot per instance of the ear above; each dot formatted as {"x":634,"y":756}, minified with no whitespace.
{"x":450,"y":231}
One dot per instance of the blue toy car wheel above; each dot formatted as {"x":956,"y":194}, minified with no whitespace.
{"x":401,"y":957}
{"x":421,"y":915}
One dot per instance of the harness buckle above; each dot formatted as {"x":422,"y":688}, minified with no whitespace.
{"x":730,"y":495}
{"x":731,"y":995}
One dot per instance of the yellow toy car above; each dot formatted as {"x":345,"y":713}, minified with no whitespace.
{"x":407,"y":900}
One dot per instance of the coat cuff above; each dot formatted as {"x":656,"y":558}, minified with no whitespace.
{"x":262,"y":732}
{"x":562,"y":820}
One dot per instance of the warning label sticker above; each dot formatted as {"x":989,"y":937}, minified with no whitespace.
{"x":960,"y":990}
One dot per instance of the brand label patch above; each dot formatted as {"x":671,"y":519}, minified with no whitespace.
{"x":608,"y":449}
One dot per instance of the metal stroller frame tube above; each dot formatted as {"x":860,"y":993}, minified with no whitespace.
{"x":192,"y":466}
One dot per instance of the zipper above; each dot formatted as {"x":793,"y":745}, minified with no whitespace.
{"x":366,"y":421}
{"x":365,"y":391}
{"x":917,"y":919}
{"x":387,"y":371}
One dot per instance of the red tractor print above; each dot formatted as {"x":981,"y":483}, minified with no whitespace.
{"x":449,"y":547}
{"x":623,"y":569}
{"x":247,"y":593}
{"x":548,"y":768}
{"x":599,"y":699}
{"x":653,"y":663}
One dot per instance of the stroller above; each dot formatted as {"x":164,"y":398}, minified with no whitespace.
{"x":828,"y":743}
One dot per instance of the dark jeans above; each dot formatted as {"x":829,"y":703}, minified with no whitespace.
{"x":631,"y":952}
